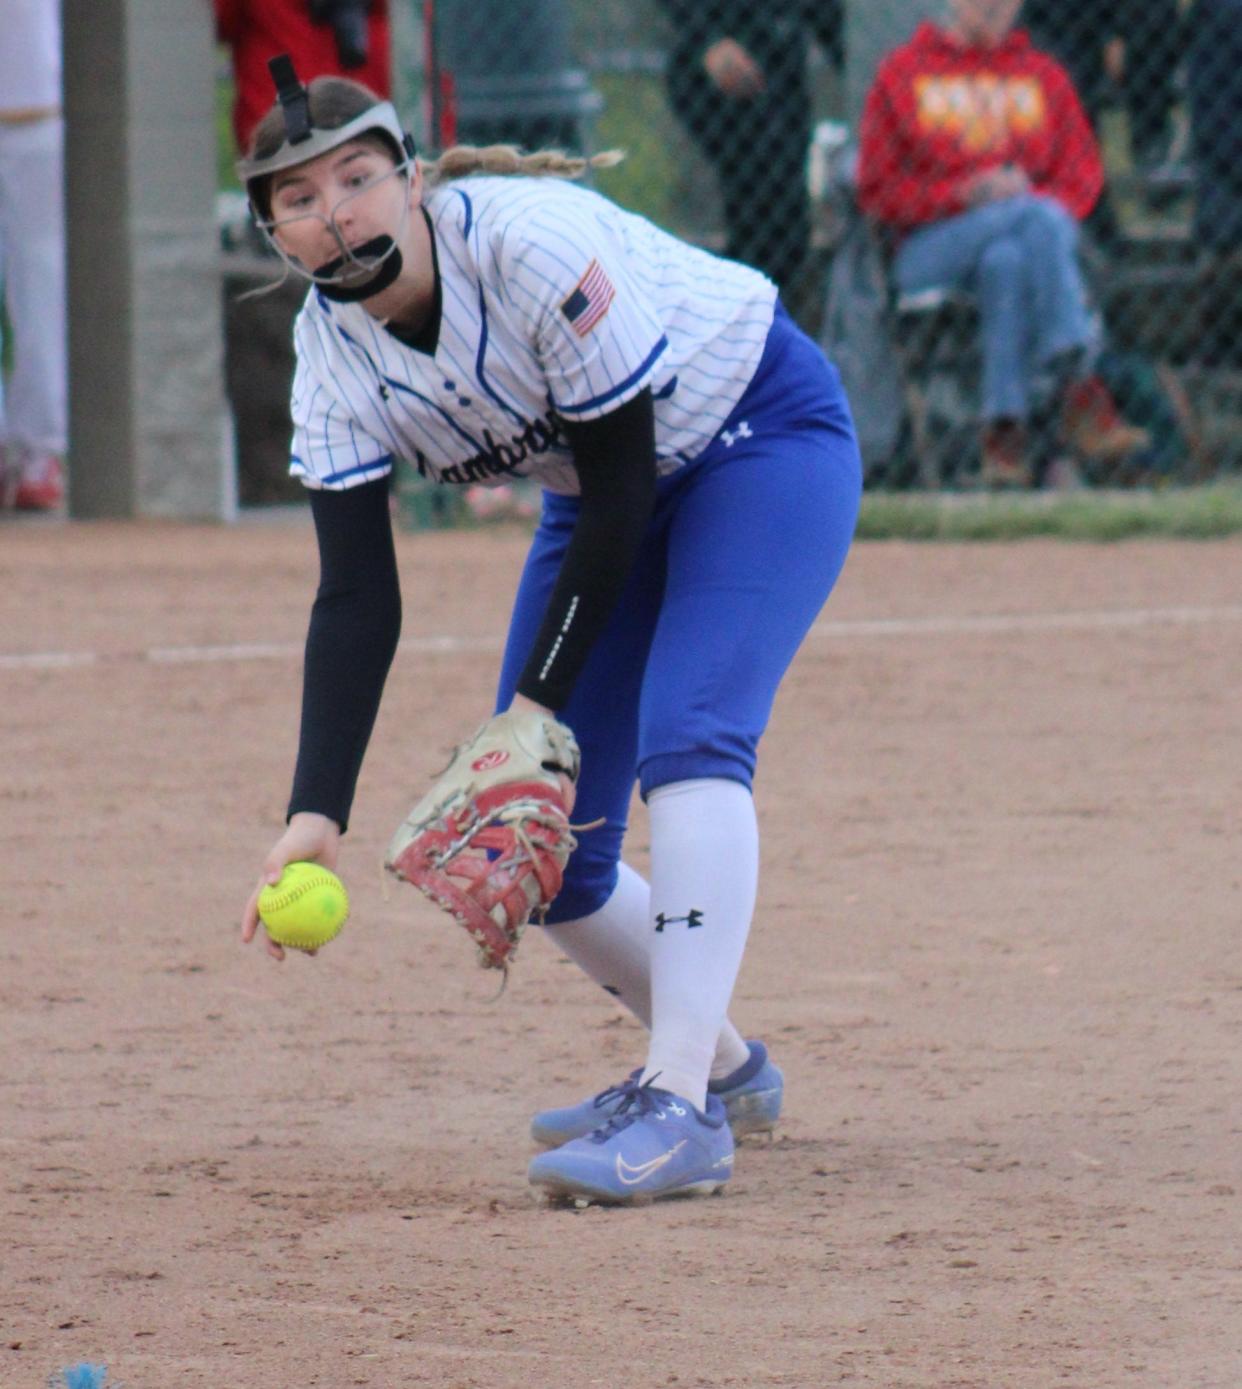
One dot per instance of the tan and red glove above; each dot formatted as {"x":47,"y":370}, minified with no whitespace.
{"x":490,"y":840}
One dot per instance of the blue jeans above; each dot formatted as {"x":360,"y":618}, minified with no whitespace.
{"x":1018,"y":259}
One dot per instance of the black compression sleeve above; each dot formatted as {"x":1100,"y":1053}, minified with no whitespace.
{"x":615,"y":461}
{"x":354,"y":626}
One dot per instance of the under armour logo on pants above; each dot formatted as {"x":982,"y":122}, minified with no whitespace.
{"x":731,"y":436}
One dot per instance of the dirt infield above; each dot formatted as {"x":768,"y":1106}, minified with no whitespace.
{"x":996,"y":952}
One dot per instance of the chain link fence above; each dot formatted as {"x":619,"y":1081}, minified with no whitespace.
{"x":753,"y":129}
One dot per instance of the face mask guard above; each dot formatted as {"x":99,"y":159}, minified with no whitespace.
{"x":359,"y":271}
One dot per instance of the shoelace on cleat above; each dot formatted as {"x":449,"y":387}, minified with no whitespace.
{"x":633,"y":1102}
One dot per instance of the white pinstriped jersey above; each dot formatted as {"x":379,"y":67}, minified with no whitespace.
{"x":556,"y":305}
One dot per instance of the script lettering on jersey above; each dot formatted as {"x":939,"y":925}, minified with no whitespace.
{"x":500,"y":459}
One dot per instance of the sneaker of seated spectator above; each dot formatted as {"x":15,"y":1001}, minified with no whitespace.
{"x":1093,"y":427}
{"x":1003,"y":451}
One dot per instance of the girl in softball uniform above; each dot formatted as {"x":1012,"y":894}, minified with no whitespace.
{"x":701,"y":484}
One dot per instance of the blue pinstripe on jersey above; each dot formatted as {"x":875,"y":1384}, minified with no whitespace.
{"x":639,"y":371}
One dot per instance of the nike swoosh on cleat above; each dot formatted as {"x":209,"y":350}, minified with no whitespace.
{"x":631,"y":1176}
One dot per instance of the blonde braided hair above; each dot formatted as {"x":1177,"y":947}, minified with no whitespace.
{"x":460,"y":161}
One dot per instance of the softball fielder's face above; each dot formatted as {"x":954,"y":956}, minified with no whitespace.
{"x":985,"y":21}
{"x":328,"y":207}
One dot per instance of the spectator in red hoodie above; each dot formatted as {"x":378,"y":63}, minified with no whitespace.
{"x":978,"y":159}
{"x":326,"y":38}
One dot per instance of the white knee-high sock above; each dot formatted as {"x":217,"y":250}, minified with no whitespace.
{"x":613,"y":947}
{"x":704,"y":876}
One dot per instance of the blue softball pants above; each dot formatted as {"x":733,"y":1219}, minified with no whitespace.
{"x":742,"y":551}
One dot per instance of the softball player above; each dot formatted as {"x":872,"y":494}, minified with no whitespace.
{"x":701,"y":484}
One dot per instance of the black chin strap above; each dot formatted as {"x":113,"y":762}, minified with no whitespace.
{"x":353,"y":293}
{"x":293,"y":98}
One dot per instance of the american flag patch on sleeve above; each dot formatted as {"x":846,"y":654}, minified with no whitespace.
{"x":590,"y":300}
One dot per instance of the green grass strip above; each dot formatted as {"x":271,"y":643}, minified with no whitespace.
{"x":1191,"y":513}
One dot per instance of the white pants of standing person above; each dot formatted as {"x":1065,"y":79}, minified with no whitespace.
{"x":32,"y":278}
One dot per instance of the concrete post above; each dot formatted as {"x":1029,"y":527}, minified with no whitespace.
{"x":147,"y":416}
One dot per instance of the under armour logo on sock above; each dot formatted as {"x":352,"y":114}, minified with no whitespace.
{"x":731,"y":436}
{"x":694,"y":919}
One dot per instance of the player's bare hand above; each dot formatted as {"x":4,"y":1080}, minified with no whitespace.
{"x":733,"y":70}
{"x":309,"y":838}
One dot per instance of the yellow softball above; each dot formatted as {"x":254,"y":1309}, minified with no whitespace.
{"x":306,"y":908}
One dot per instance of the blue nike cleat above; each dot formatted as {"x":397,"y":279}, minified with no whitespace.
{"x":654,"y":1144}
{"x":751,"y":1097}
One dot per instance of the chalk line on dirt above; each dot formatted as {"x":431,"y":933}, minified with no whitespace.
{"x":995,"y":624}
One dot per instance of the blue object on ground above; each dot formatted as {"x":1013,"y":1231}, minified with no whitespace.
{"x":85,"y":1376}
